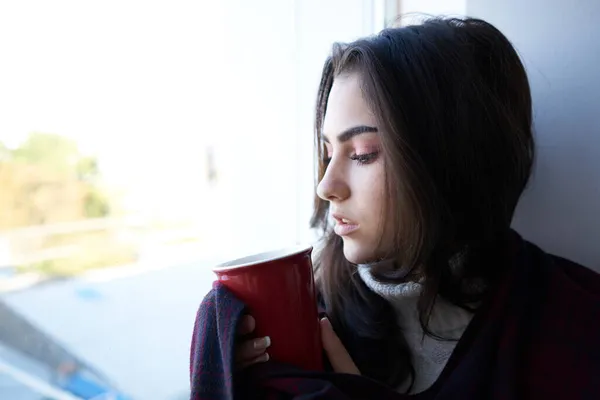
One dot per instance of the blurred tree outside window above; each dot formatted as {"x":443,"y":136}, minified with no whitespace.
{"x":47,"y":180}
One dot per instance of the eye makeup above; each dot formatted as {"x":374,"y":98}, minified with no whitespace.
{"x":362,"y":152}
{"x":365,"y":158}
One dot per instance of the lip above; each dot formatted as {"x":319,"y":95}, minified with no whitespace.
{"x":344,"y":228}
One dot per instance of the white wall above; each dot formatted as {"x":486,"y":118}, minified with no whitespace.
{"x":559,"y":42}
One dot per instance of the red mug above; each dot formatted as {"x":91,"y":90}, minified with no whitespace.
{"x":278,"y":289}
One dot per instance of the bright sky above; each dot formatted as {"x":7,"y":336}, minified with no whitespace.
{"x":126,"y":79}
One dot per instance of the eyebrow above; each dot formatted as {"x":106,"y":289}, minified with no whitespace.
{"x":351,"y":132}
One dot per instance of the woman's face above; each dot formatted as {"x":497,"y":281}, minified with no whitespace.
{"x":354,"y":180}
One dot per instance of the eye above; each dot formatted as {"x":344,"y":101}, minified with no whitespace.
{"x":363,"y":159}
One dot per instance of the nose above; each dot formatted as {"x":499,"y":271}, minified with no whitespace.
{"x":333,"y":186}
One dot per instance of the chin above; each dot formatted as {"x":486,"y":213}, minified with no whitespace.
{"x":357,"y":254}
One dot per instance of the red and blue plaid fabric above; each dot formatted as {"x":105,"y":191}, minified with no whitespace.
{"x":537,"y":337}
{"x":213,"y":340}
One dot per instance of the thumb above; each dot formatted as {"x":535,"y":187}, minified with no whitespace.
{"x":336,"y":352}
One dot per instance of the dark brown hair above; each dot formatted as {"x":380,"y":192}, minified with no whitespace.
{"x":453,"y":106}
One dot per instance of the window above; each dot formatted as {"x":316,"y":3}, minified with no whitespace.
{"x":140,"y":143}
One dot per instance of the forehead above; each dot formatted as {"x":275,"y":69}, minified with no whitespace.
{"x":346,"y":106}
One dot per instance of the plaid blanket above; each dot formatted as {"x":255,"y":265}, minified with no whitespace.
{"x":536,"y":338}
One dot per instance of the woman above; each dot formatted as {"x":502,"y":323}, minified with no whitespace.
{"x":424,"y":138}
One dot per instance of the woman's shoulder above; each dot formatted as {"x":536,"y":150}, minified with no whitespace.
{"x":563,"y":325}
{"x":560,"y":278}
{"x":578,"y":278}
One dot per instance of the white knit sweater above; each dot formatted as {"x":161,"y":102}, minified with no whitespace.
{"x":429,"y":355}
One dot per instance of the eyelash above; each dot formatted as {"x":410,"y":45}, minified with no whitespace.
{"x":361,"y":159}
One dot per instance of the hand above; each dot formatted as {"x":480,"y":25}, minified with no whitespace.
{"x":336,"y":352}
{"x":250,"y":351}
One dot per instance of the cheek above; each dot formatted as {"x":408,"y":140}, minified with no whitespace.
{"x":369,"y":200}
{"x":368,"y":184}
{"x":371,"y":191}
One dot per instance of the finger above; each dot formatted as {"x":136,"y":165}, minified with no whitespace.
{"x":336,"y":352}
{"x":246,"y":325}
{"x":260,"y":359}
{"x":251,"y":349}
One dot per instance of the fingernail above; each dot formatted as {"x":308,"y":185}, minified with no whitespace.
{"x":262,"y":343}
{"x":263,"y":358}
